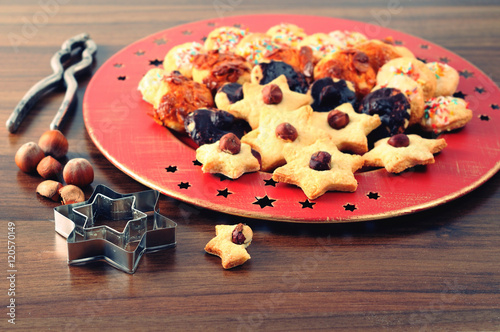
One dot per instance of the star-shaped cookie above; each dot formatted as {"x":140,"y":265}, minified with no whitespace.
{"x":250,"y":106}
{"x":315,"y":183}
{"x":352,"y":137}
{"x":396,"y":159}
{"x":270,"y":146}
{"x":233,"y":166}
{"x":231,"y":253}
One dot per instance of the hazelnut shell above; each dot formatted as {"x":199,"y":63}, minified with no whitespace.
{"x":53,"y":143}
{"x":28,"y":156}
{"x":78,"y":172}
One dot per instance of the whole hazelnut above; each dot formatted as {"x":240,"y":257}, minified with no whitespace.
{"x":399,"y":141}
{"x":53,"y":143}
{"x":230,"y":143}
{"x":49,"y":189}
{"x":49,"y":168}
{"x":286,"y":132}
{"x":71,"y":194}
{"x":337,"y":119}
{"x":79,"y":172}
{"x":28,"y":156}
{"x":320,"y":161}
{"x":272,"y":94}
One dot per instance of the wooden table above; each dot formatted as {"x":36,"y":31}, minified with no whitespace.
{"x":433,"y":270}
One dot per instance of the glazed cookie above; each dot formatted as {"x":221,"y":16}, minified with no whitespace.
{"x":412,"y":91}
{"x":379,"y":52}
{"x":256,"y":46}
{"x":276,"y":96}
{"x":347,"y":38}
{"x":176,"y":96}
{"x":228,"y":94}
{"x":214,"y":69}
{"x":348,"y":64}
{"x":265,"y":72}
{"x":230,"y":243}
{"x":280,"y":128}
{"x":181,"y":58}
{"x":228,"y":156}
{"x":286,"y":34}
{"x":321,"y":45}
{"x":318,"y":168}
{"x":224,"y":39}
{"x":445,"y":114}
{"x":393,"y":108}
{"x":347,"y":128}
{"x":401,"y":152}
{"x":328,"y":93}
{"x":413,"y":68}
{"x":447,"y":78}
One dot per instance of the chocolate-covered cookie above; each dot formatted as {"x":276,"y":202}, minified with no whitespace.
{"x":329,"y":93}
{"x":209,"y":125}
{"x":393,"y":108}
{"x":266,"y":72}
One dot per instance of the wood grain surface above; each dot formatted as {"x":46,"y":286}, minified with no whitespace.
{"x":434,"y":270}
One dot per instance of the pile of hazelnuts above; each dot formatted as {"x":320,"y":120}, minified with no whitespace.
{"x":44,"y":158}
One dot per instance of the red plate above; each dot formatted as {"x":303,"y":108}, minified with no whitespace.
{"x":117,"y":121}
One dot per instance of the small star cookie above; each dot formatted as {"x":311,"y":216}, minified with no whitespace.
{"x":337,"y":176}
{"x":352,"y":137}
{"x":297,"y":130}
{"x":215,"y":160}
{"x":250,"y":106}
{"x":230,"y":243}
{"x":419,"y":151}
{"x":445,"y":114}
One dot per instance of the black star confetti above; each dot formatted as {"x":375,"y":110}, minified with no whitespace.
{"x":203,"y":39}
{"x":122,"y":78}
{"x":197,"y":163}
{"x":187,"y":32}
{"x":494,"y":106}
{"x":222,"y":177}
{"x":307,"y":204}
{"x":483,"y":117}
{"x":211,"y":24}
{"x":270,"y":182}
{"x":139,"y":53}
{"x":479,"y":90}
{"x":398,"y":42}
{"x":465,"y":73}
{"x":444,"y":59}
{"x":424,"y":46}
{"x":350,"y":207}
{"x":118,"y":65}
{"x":422,"y":59}
{"x":264,"y":201}
{"x":237,"y":25}
{"x":171,"y":169}
{"x":155,"y":62}
{"x":184,"y":185}
{"x":160,"y":41}
{"x":372,"y":195}
{"x":459,"y":94}
{"x":224,"y":192}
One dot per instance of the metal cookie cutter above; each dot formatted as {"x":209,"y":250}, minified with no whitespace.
{"x":60,"y":77}
{"x":146,"y":229}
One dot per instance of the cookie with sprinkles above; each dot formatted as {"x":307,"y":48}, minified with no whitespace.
{"x":256,"y":46}
{"x":348,"y":38}
{"x":181,"y":57}
{"x":445,"y":113}
{"x":447,"y":78}
{"x":287,"y":34}
{"x":413,"y":68}
{"x":321,"y":45}
{"x":224,"y":39}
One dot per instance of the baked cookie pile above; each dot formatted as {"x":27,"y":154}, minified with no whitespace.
{"x":311,"y":109}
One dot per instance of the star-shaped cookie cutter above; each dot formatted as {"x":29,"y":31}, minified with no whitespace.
{"x":146,"y":229}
